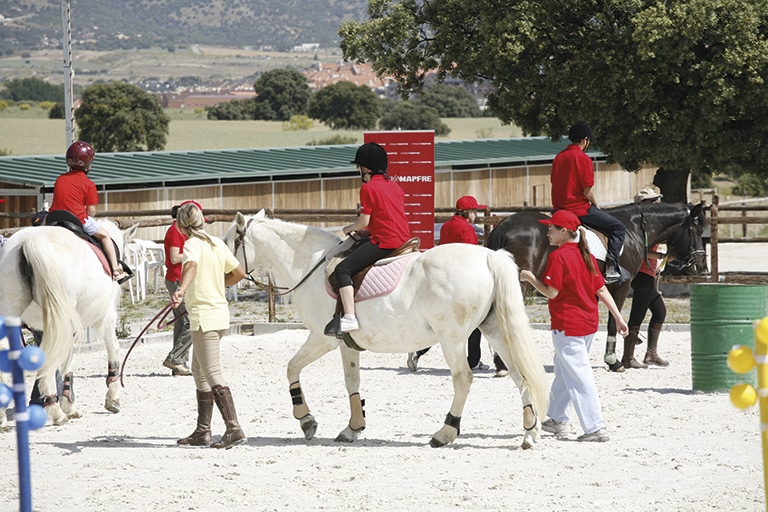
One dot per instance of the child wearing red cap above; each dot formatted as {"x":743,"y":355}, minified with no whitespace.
{"x":572,"y":283}
{"x":459,"y":229}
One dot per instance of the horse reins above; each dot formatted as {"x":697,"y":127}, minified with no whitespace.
{"x":240,"y":242}
{"x":160,"y":325}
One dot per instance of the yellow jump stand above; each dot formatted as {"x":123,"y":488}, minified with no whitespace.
{"x":742,"y":360}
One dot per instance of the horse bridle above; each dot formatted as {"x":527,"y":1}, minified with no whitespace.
{"x":693,"y":251}
{"x":269,"y":287}
{"x":671,"y":250}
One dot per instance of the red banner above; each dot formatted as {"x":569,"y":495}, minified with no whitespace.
{"x":411,"y":157}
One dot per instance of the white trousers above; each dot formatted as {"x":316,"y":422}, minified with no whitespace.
{"x":574,"y":382}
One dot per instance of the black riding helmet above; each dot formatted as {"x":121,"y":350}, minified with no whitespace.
{"x":371,"y":156}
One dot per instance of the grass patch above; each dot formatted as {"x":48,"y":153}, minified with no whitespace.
{"x":30,"y":132}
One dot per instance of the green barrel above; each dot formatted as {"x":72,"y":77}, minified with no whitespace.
{"x":721,"y":317}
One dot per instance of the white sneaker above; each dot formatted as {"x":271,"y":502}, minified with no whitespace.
{"x":413,"y":361}
{"x":601,"y":436}
{"x":349,"y":324}
{"x":554,"y":427}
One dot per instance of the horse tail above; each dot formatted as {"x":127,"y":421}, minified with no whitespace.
{"x":60,"y":318}
{"x":516,"y":328}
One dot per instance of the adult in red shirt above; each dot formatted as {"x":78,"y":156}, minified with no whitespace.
{"x":382,"y":213}
{"x":573,"y":285}
{"x":459,"y":230}
{"x":173,"y":243}
{"x":573,"y":179}
{"x":646,"y":297}
{"x":76,"y":193}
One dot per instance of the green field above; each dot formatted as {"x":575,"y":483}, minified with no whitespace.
{"x":30,"y":132}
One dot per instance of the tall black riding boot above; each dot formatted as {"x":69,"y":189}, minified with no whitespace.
{"x":628,"y":359}
{"x":651,"y":355}
{"x":202,"y":434}
{"x":234,"y":434}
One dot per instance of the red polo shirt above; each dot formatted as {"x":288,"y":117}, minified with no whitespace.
{"x":458,"y":230}
{"x":384,"y":201}
{"x":574,"y":310}
{"x":173,"y":238}
{"x":73,"y":191}
{"x":572,"y":172}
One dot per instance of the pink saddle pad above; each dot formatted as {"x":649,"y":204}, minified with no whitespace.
{"x":380,"y":279}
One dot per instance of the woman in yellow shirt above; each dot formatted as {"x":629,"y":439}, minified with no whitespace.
{"x":208,"y":267}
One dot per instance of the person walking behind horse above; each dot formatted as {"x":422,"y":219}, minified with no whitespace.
{"x":382,"y":213}
{"x":208,"y":267}
{"x":459,"y":229}
{"x":173,"y":244}
{"x":76,"y":193}
{"x":573,"y":284}
{"x":573,"y":179}
{"x":646,"y":297}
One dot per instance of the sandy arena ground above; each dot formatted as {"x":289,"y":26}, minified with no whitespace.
{"x":670,"y":449}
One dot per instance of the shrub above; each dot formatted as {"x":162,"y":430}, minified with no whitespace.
{"x":298,"y":123}
{"x":333,"y":140}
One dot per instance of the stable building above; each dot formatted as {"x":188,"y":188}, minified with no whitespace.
{"x":501,"y":173}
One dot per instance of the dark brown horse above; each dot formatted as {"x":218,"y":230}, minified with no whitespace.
{"x":677,"y":225}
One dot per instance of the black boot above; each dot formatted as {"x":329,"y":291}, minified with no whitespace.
{"x":651,"y":355}
{"x":202,"y":434}
{"x":234,"y":434}
{"x":628,"y":359}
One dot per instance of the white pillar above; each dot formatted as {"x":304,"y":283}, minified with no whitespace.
{"x":68,"y":73}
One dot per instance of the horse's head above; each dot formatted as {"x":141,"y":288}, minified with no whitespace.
{"x":687,"y":247}
{"x":236,"y":240}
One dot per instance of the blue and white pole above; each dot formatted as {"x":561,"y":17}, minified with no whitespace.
{"x":16,"y":361}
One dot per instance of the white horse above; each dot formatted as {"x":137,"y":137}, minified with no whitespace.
{"x":55,"y":282}
{"x":444,"y":294}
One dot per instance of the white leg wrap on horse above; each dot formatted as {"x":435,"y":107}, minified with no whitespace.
{"x":357,"y":420}
{"x":300,"y":408}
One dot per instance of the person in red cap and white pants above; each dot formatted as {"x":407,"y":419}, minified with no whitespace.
{"x":573,"y":283}
{"x":459,"y":229}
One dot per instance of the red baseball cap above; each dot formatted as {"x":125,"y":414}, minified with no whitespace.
{"x":469,"y":203}
{"x":564,"y":219}
{"x":199,"y":207}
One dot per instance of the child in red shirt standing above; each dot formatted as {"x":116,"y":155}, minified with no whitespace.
{"x":459,"y":229}
{"x":573,"y":284}
{"x":173,"y":244}
{"x":76,"y":193}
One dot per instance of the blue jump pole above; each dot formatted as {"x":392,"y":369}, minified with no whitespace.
{"x":21,"y":415}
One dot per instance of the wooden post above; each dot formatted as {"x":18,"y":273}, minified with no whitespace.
{"x":713,"y":237}
{"x":271,"y":301}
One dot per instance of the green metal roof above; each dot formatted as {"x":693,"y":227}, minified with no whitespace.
{"x":166,"y":168}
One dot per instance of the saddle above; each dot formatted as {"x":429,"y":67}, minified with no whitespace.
{"x":598,"y":246}
{"x":66,"y":220}
{"x":334,"y":326}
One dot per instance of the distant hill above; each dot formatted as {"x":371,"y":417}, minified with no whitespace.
{"x":113,"y":24}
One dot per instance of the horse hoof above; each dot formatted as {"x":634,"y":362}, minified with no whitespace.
{"x":435,"y":443}
{"x":348,"y":435}
{"x":75,"y":414}
{"x":309,"y":426}
{"x":112,"y":405}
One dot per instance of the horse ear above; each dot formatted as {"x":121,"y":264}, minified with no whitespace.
{"x":260,"y":214}
{"x":240,"y":221}
{"x":130,"y":233}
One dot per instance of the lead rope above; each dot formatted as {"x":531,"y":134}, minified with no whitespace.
{"x":160,"y":325}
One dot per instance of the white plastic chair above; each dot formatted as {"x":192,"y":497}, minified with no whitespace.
{"x":135,"y":258}
{"x":154,"y":256}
